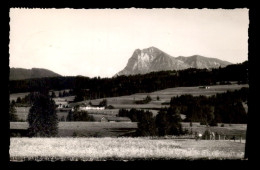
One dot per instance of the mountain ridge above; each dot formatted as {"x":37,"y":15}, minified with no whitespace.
{"x":153,"y":59}
{"x":22,"y":73}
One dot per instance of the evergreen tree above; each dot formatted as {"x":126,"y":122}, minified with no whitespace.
{"x":103,"y":103}
{"x":42,"y":117}
{"x":79,"y":116}
{"x":162,"y":122}
{"x":79,"y":95}
{"x":146,"y":124}
{"x":53,"y":95}
{"x":64,"y":94}
{"x":12,"y":113}
{"x":18,"y":100}
{"x":174,"y":121}
{"x":168,"y":122}
{"x":70,"y":116}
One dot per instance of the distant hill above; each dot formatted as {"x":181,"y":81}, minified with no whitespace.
{"x":152,"y":59}
{"x":21,"y":73}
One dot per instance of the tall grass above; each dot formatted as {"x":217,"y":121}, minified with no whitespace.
{"x":116,"y":148}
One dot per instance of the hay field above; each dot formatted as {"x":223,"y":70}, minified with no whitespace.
{"x":14,"y":96}
{"x":229,"y":130}
{"x":127,"y":102}
{"x":22,"y":112}
{"x":88,"y":129}
{"x":95,"y":149}
{"x":114,"y":129}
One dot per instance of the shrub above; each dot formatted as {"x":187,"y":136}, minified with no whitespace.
{"x":103,"y":103}
{"x":144,"y":101}
{"x":186,"y":131}
{"x":216,"y":136}
{"x":12,"y":113}
{"x":206,"y":134}
{"x":213,"y":123}
{"x":75,"y":134}
{"x":18,"y":100}
{"x":79,"y":116}
{"x":203,"y":123}
{"x":96,"y":134}
{"x":110,"y":107}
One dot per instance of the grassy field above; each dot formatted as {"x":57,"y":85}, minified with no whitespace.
{"x":229,"y":130}
{"x":127,"y":102}
{"x":114,"y":129}
{"x":108,"y":147}
{"x":22,"y":112}
{"x":97,"y":129}
{"x":95,"y":149}
{"x":14,"y":96}
{"x":165,"y":95}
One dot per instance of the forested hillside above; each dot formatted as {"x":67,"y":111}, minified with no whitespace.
{"x":21,"y":73}
{"x":91,"y":88}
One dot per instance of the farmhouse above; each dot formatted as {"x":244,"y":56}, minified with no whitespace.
{"x":91,"y":108}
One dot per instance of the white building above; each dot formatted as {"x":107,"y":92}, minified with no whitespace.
{"x":91,"y":108}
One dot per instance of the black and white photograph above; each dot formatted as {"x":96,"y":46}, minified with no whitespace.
{"x":128,"y":84}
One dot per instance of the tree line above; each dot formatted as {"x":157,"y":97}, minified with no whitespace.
{"x":224,"y":107}
{"x":77,"y":115}
{"x":85,"y":88}
{"x":166,"y":122}
{"x":220,"y":108}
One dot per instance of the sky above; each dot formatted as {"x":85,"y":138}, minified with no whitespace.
{"x":99,"y":42}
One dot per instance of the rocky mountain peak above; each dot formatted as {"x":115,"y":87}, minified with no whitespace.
{"x":153,"y":59}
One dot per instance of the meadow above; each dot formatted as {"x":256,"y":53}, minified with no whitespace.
{"x":165,"y":96}
{"x":87,"y":129}
{"x":128,"y":102}
{"x":227,"y":130}
{"x":115,"y":129}
{"x":91,"y":141}
{"x":96,"y":149}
